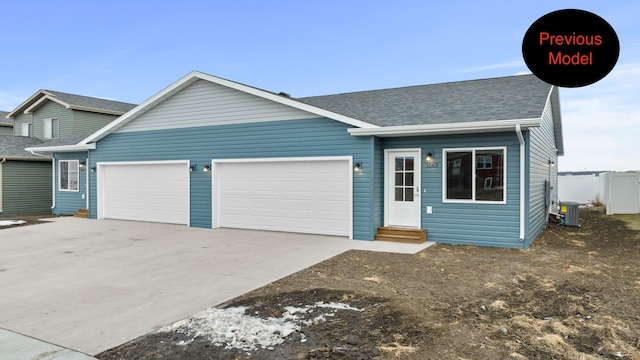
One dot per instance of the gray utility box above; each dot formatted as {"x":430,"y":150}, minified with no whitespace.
{"x":570,"y":212}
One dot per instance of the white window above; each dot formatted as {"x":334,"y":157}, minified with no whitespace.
{"x":51,"y":128}
{"x":68,"y":175}
{"x":25,"y":129}
{"x":474,"y":175}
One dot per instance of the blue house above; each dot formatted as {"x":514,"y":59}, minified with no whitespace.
{"x":469,"y":162}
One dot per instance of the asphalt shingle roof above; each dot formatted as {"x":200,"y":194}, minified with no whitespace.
{"x":69,"y":140}
{"x":3,"y":120}
{"x":11,"y":146}
{"x":505,"y":98}
{"x":91,"y":102}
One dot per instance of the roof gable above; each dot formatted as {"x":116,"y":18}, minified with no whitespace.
{"x":194,"y":76}
{"x":71,"y":101}
{"x":505,"y":98}
{"x":204,"y":103}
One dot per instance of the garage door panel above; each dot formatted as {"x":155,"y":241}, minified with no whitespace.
{"x":298,"y":196}
{"x":156,"y":192}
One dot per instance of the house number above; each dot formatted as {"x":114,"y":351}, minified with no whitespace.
{"x":433,"y":165}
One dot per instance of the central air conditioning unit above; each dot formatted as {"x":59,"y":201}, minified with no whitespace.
{"x":570,"y":214}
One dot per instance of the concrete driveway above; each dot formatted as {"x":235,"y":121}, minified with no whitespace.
{"x":89,"y":285}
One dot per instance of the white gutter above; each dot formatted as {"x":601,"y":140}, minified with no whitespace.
{"x":53,"y":184}
{"x":62,"y":148}
{"x":3,"y":160}
{"x":522,"y":182}
{"x":86,"y":181}
{"x":444,"y":129}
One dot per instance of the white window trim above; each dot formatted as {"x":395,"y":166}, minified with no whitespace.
{"x":22,"y":126}
{"x":68,"y":177}
{"x":48,"y":125}
{"x":473,"y":180}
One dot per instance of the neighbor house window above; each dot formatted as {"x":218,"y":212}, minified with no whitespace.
{"x":68,"y":175}
{"x":474,"y":175}
{"x":25,"y":129}
{"x":51,"y":128}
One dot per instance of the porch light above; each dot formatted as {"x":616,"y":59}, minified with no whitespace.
{"x":93,"y":169}
{"x":552,"y":163}
{"x":192,"y":168}
{"x":206,"y":168}
{"x":357,"y":167}
{"x":429,"y":157}
{"x":82,"y":164}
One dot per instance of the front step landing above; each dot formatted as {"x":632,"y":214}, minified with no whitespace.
{"x":82,"y":213}
{"x":402,"y":235}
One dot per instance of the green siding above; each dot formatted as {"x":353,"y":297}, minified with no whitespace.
{"x":84,"y":121}
{"x":71,"y":121}
{"x":6,"y":130}
{"x":51,"y":109}
{"x":19,"y":120}
{"x":26,"y":187}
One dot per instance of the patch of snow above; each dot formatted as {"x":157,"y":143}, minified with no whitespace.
{"x":232,"y":328}
{"x":11,"y":222}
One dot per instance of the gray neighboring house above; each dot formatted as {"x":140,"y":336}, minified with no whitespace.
{"x":47,"y":117}
{"x":6,"y":125}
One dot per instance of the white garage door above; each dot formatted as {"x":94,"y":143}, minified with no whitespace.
{"x":312,"y":196}
{"x":156,"y":192}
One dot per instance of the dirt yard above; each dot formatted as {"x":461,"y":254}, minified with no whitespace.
{"x":29,"y":219}
{"x":574,"y":295}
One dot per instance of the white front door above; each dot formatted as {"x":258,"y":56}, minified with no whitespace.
{"x":402,"y":188}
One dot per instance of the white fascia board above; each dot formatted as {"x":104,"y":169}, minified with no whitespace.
{"x":196,"y":75}
{"x":445,"y":129}
{"x":142,"y":108}
{"x":554,"y":98}
{"x":40,"y":101}
{"x":26,"y":158}
{"x":26,"y":103}
{"x":63,"y":148}
{"x":95,"y":110}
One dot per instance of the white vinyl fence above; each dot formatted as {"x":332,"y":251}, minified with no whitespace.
{"x":618,"y":191}
{"x":621,"y":192}
{"x":582,"y":189}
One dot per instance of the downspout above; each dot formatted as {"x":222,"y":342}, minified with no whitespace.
{"x":1,"y":202}
{"x":522,"y":182}
{"x":53,"y":178}
{"x":86,"y":181}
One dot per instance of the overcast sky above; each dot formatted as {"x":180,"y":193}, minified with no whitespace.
{"x":130,"y":50}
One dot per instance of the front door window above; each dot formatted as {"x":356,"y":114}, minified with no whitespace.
{"x":404,"y":175}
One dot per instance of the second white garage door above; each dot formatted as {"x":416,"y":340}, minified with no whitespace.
{"x":306,"y":196}
{"x":150,"y":191}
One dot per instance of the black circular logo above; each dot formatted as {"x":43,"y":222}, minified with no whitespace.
{"x":570,"y":48}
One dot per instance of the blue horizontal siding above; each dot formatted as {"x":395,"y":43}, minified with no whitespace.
{"x":468,"y":223}
{"x":68,"y":202}
{"x":290,"y":138}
